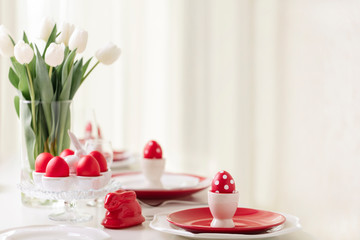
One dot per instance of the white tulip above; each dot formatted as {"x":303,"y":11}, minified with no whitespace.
{"x":108,"y":54}
{"x":78,"y":40}
{"x":46,"y":26}
{"x":66,"y":29}
{"x":55,"y":54}
{"x":23,"y":52}
{"x":6,"y":46}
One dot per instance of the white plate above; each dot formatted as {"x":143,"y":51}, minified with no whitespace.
{"x":170,"y":181}
{"x":54,"y":232}
{"x":161,"y":224}
{"x":123,"y":163}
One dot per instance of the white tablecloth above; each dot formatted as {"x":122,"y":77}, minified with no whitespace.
{"x":13,"y":214}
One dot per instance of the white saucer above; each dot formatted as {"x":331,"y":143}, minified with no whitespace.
{"x":52,"y":232}
{"x":136,"y":181}
{"x":161,"y":224}
{"x":130,"y":159}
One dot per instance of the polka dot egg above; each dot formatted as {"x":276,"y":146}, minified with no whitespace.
{"x":152,"y":150}
{"x":223,"y":182}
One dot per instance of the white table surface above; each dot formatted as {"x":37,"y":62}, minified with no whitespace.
{"x":13,"y":214}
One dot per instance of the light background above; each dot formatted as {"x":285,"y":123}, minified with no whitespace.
{"x":268,"y":90}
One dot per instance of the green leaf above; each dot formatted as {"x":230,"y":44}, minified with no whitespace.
{"x":30,"y":137}
{"x":58,"y":138}
{"x":51,"y":39}
{"x":32,"y":64}
{"x":42,"y":132}
{"x":43,"y":83}
{"x":42,"y":80}
{"x":66,"y":67}
{"x":20,"y":71}
{"x":12,"y":40}
{"x":25,"y":38}
{"x":14,"y":79}
{"x":77,"y":76}
{"x":17,"y":105}
{"x":86,"y":65}
{"x":65,"y":93}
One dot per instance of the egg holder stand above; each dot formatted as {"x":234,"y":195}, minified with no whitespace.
{"x":73,"y":182}
{"x":70,"y":198}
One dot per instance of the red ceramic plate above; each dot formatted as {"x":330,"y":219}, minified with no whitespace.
{"x":176,"y":185}
{"x":247,"y":221}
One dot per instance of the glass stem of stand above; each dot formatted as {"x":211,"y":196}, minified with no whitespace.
{"x":70,"y":206}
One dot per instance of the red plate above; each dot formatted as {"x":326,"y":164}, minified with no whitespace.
{"x":176,"y":192}
{"x":247,"y":220}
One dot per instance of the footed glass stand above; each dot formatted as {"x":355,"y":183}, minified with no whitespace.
{"x":70,"y":213}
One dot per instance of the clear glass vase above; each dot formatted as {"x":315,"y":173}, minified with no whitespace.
{"x":44,"y":127}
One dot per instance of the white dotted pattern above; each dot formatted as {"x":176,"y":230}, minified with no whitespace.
{"x":232,"y":181}
{"x":224,"y":176}
{"x":217,"y":182}
{"x":158,"y":150}
{"x":217,"y":191}
{"x":226,"y":187}
{"x":221,"y":171}
{"x":150,"y":143}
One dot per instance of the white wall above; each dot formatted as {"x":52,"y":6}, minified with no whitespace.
{"x":268,"y":90}
{"x":319,"y":112}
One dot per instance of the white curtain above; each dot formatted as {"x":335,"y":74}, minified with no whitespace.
{"x":267,"y":90}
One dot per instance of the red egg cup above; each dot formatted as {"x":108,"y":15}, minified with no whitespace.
{"x":223,"y":207}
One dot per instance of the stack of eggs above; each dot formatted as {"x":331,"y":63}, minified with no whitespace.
{"x":71,"y":172}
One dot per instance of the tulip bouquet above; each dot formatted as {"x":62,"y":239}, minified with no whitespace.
{"x":47,"y":79}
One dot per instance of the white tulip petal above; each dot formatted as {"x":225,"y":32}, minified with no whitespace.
{"x":55,"y":54}
{"x":46,"y":26}
{"x":6,"y":46}
{"x":23,"y":52}
{"x":65,"y":29}
{"x":108,"y":54}
{"x":78,"y":40}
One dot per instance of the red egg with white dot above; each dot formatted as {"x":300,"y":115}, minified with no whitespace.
{"x":152,"y":150}
{"x":223,"y":200}
{"x":223,"y":182}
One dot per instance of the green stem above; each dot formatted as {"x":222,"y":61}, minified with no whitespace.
{"x":50,"y":72}
{"x":32,"y":96}
{"x":90,"y":71}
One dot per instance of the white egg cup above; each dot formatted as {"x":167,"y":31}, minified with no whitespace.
{"x":87,"y":183}
{"x":37,"y":177}
{"x":153,"y":170}
{"x":223,"y":207}
{"x":106,"y":176}
{"x":57,"y":184}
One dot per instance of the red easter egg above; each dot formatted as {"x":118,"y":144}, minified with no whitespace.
{"x":152,"y":150}
{"x":57,"y":167}
{"x":66,"y":152}
{"x":88,"y":127}
{"x":223,"y":182}
{"x":88,"y":166}
{"x":101,"y":160}
{"x":42,"y":161}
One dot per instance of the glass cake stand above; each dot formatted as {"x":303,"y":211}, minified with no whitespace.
{"x":70,"y":213}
